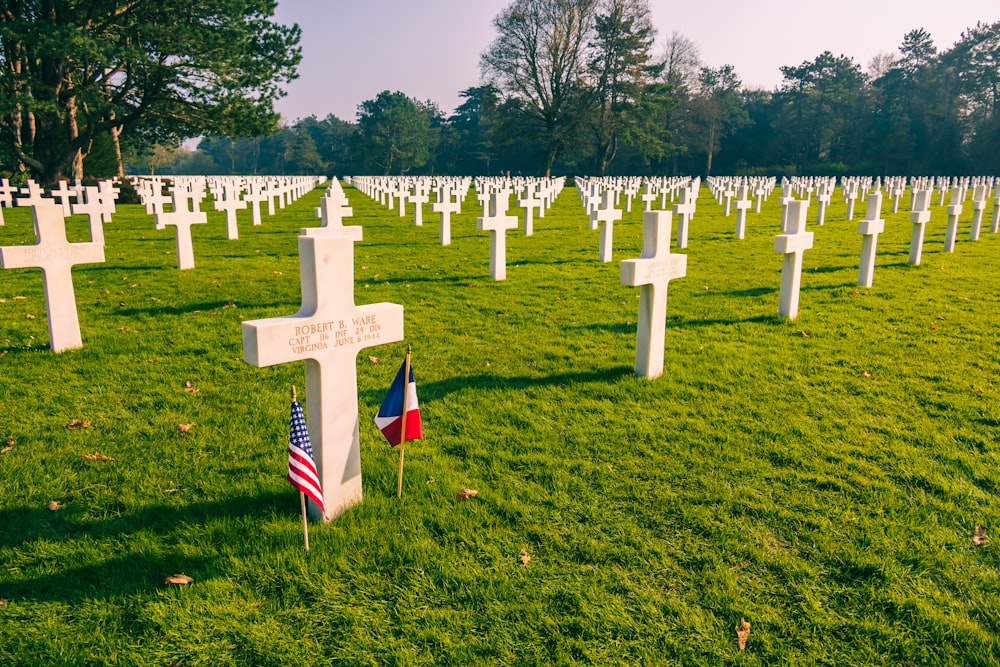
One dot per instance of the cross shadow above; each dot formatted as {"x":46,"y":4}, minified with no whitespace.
{"x":128,"y":574}
{"x":430,"y":391}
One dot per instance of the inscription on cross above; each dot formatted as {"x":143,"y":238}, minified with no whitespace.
{"x":55,"y":256}
{"x":651,"y":273}
{"x":327,"y":333}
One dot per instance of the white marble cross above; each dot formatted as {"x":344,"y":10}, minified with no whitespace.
{"x":954,"y":210}
{"x":605,"y":216}
{"x":995,"y":222}
{"x":35,"y":196}
{"x":229,"y":200}
{"x":919,"y":216}
{"x":795,"y":241}
{"x":331,"y":211}
{"x":822,"y":201}
{"x":182,"y":219}
{"x":978,"y":209}
{"x":651,"y":273}
{"x":55,"y":256}
{"x":529,"y":203}
{"x":327,"y":333}
{"x":254,"y":196}
{"x":684,"y":211}
{"x":418,"y":199}
{"x":445,"y":206}
{"x":107,"y":195}
{"x":742,"y":204}
{"x":870,"y":228}
{"x":93,"y":208}
{"x":497,"y":225}
{"x":62,"y":195}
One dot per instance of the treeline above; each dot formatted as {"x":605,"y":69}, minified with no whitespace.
{"x":598,"y":101}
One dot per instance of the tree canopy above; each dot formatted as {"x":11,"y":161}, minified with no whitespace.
{"x":73,"y":71}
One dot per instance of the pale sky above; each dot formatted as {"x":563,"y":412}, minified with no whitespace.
{"x":429,"y":49}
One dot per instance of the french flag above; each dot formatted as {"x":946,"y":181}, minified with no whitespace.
{"x":390,"y":415}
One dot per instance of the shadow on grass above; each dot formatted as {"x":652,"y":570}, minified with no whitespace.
{"x":127,"y":574}
{"x":430,"y":391}
{"x":191,"y":309}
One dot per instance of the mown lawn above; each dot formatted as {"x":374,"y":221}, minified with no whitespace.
{"x":821,"y":478}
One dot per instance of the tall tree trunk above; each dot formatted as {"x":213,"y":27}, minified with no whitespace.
{"x":73,"y":132}
{"x":115,"y":133}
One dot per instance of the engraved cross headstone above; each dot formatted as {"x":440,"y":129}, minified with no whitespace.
{"x":327,"y":333}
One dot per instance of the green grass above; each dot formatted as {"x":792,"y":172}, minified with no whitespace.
{"x":764,"y":476}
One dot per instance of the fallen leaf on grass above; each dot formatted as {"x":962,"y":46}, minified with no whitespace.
{"x":6,"y":449}
{"x":866,"y":374}
{"x":742,"y":633}
{"x":52,"y":506}
{"x":963,"y":298}
{"x":465,"y":494}
{"x":854,"y":292}
{"x":96,"y":456}
{"x":19,"y":298}
{"x":933,"y":326}
{"x":178,"y":580}
{"x":184,"y":428}
{"x":172,"y":490}
{"x":276,"y":273}
{"x":524,"y":557}
{"x":430,"y":480}
{"x":471,"y":285}
{"x":79,"y":423}
{"x":980,"y":537}
{"x":3,"y":603}
{"x":29,"y":316}
{"x":374,"y":360}
{"x":229,"y":305}
{"x":190,"y":388}
{"x":123,"y":329}
{"x":804,"y":334}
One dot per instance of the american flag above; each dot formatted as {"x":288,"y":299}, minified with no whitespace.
{"x":301,"y":465}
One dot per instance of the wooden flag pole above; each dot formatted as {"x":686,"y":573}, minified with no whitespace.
{"x":302,"y":497}
{"x":402,"y":432}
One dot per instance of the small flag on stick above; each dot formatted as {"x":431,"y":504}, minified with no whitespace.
{"x":302,"y":471}
{"x":399,"y":416}
{"x":402,"y":396}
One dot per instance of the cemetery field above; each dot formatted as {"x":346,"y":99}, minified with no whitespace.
{"x":822,"y":479}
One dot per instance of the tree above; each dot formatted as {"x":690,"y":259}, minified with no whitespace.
{"x":538,"y":58}
{"x":71,"y":71}
{"x":394,"y":132}
{"x":620,"y":70}
{"x":820,"y":114}
{"x":719,"y":109}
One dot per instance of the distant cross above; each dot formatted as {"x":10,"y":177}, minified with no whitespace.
{"x":978,"y":209}
{"x":529,"y":203}
{"x":870,"y":228}
{"x":108,"y":195}
{"x":954,"y":211}
{"x":919,"y":216}
{"x":727,"y":199}
{"x":55,"y":256}
{"x":648,"y":197}
{"x":229,"y":200}
{"x":62,"y":194}
{"x":445,"y":206}
{"x":651,"y":273}
{"x":327,"y":333}
{"x":331,"y":211}
{"x":418,"y":199}
{"x":684,"y":211}
{"x":497,"y":225}
{"x":92,"y":207}
{"x":795,"y":241}
{"x":181,"y":219}
{"x":606,"y":216}
{"x":995,"y":222}
{"x":253,"y":198}
{"x":743,"y":203}
{"x":35,"y":196}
